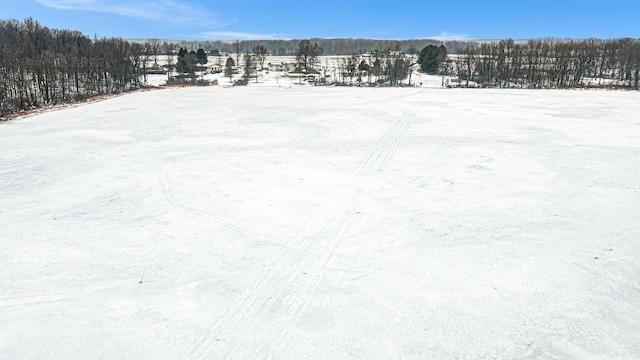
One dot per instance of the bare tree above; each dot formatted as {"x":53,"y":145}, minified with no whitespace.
{"x":237,"y":46}
{"x":307,"y":54}
{"x":249,"y":66}
{"x":397,"y":68}
{"x":351,"y":67}
{"x":376,"y":66}
{"x":154,"y":47}
{"x":168,"y":49}
{"x":260,"y":51}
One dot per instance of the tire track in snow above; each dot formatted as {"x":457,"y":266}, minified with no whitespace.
{"x":8,"y":165}
{"x":272,"y":301}
{"x":295,"y":302}
{"x":304,"y":286}
{"x":284,"y":272}
{"x":165,"y":184}
{"x":553,"y":248}
{"x":383,"y":149}
{"x":28,"y":300}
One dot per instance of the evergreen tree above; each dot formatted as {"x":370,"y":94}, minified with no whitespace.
{"x":186,"y":63}
{"x":201,"y":57}
{"x":228,"y":68}
{"x":431,"y":57}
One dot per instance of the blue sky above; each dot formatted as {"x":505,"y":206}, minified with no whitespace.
{"x":249,"y":19}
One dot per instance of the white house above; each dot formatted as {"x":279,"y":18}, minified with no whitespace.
{"x":214,"y":68}
{"x":283,"y":66}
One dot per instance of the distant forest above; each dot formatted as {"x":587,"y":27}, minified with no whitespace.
{"x":541,"y":64}
{"x":331,"y":47}
{"x":41,"y":66}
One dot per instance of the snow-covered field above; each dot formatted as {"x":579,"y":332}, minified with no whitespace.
{"x":323,"y":223}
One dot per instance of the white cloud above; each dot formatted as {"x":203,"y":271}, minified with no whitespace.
{"x":159,"y":10}
{"x":447,"y":36}
{"x":236,"y":35}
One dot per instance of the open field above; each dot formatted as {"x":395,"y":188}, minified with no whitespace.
{"x":323,"y":223}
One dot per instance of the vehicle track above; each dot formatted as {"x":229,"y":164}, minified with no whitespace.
{"x":270,"y":302}
{"x":165,"y":184}
{"x":383,"y":149}
{"x":28,"y":300}
{"x":280,"y":291}
{"x":295,"y":301}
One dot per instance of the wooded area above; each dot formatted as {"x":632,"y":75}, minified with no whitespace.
{"x":40,"y":66}
{"x":548,"y":64}
{"x":380,"y":68}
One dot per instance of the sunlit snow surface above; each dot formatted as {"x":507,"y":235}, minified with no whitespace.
{"x":323,"y":223}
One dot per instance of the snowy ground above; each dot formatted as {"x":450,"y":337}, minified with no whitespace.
{"x":323,"y":223}
{"x":327,"y":66}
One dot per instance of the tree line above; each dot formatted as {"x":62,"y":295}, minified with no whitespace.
{"x":41,"y":66}
{"x":336,"y":46}
{"x":379,"y":68}
{"x":388,"y":67}
{"x":548,"y":63}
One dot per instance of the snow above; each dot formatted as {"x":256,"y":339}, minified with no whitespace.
{"x":323,"y":223}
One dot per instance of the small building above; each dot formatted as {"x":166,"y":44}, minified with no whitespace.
{"x":276,"y":66}
{"x":214,"y":68}
{"x":283,"y":66}
{"x":291,"y":66}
